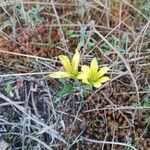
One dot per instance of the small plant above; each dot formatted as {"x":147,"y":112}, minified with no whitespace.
{"x":31,"y":15}
{"x":9,"y":89}
{"x":70,"y":66}
{"x":145,"y":7}
{"x":89,"y":75}
{"x":92,"y":76}
{"x":82,"y":36}
{"x":146,"y":102}
{"x":66,"y":90}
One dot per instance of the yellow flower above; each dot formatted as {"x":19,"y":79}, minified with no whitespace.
{"x":70,"y":66}
{"x":92,"y":76}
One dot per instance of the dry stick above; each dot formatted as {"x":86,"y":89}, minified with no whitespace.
{"x":142,"y":41}
{"x":76,"y":139}
{"x":103,"y":53}
{"x":108,"y":33}
{"x":72,"y":24}
{"x":130,"y":93}
{"x":118,"y":108}
{"x":24,"y":74}
{"x":61,"y":4}
{"x":126,"y":64}
{"x":136,"y":40}
{"x":21,"y":109}
{"x":88,"y":40}
{"x":39,"y":141}
{"x":145,"y":130}
{"x":76,"y":116}
{"x":113,"y":138}
{"x":113,"y":18}
{"x":52,"y":131}
{"x":3,"y":121}
{"x":123,"y":59}
{"x":27,"y":97}
{"x":107,"y":13}
{"x":77,"y":25}
{"x":50,"y":101}
{"x":104,"y":141}
{"x":125,"y":1}
{"x":24,"y":55}
{"x":105,"y":85}
{"x":16,"y":42}
{"x":35,"y":2}
{"x":107,"y":142}
{"x":135,"y":59}
{"x":69,"y":115}
{"x":64,"y":5}
{"x":113,"y":29}
{"x":62,"y":34}
{"x":120,"y":13}
{"x":33,"y":102}
{"x":5,"y":11}
{"x":47,"y":59}
{"x":101,"y":4}
{"x":6,"y":104}
{"x":112,"y":104}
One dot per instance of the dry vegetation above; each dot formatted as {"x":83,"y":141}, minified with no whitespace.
{"x":40,"y":113}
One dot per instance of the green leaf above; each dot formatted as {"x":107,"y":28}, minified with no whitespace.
{"x":146,"y":102}
{"x":9,"y":88}
{"x":69,"y":32}
{"x":91,"y":44}
{"x":87,"y":89}
{"x":81,"y":44}
{"x":75,"y":36}
{"x":115,"y":41}
{"x":67,"y":89}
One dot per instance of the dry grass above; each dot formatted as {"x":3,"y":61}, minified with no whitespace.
{"x":37,"y":112}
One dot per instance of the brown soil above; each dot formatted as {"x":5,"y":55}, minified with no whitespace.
{"x":98,"y":116}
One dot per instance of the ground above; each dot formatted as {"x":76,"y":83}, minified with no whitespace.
{"x":39,"y":112}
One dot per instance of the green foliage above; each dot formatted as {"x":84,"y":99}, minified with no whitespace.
{"x":82,"y":36}
{"x":82,"y":8}
{"x":9,"y":88}
{"x":31,"y":15}
{"x":87,"y":89}
{"x":83,"y":88}
{"x":145,"y":7}
{"x":67,"y":32}
{"x":70,"y":88}
{"x":120,"y":45}
{"x":67,"y":89}
{"x":146,"y":102}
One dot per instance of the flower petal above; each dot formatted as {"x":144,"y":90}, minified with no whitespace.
{"x":103,"y":79}
{"x":94,"y":66}
{"x":82,"y":75}
{"x":85,"y":69}
{"x":66,"y":62}
{"x":75,"y":60}
{"x":97,"y":84}
{"x":85,"y":80}
{"x":102,"y":71}
{"x":60,"y":75}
